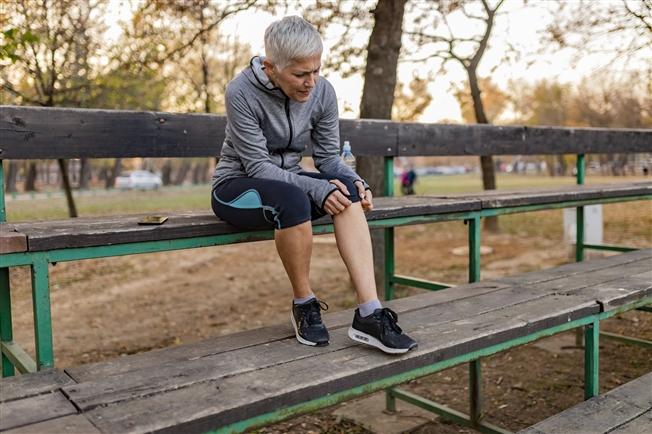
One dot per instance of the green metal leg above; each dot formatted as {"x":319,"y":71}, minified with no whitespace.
{"x":389,"y":263}
{"x":475,"y":393}
{"x":474,"y":249}
{"x":42,"y":317}
{"x":6,"y":334}
{"x":579,"y":243}
{"x":591,"y":359}
{"x":390,"y":400}
{"x":475,"y":372}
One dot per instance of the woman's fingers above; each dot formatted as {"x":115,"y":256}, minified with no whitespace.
{"x":339,"y":184}
{"x":336,"y":203}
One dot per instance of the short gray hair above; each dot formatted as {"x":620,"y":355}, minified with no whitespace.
{"x":291,"y":38}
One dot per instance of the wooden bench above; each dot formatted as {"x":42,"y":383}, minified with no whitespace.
{"x":239,"y":381}
{"x":624,"y":410}
{"x":42,"y":133}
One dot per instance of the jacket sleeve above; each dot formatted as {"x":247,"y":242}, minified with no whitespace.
{"x":250,"y":146}
{"x":326,"y":139}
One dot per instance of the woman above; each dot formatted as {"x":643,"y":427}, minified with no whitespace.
{"x":275,"y":108}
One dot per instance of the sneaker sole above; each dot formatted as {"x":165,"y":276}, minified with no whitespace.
{"x":302,"y":340}
{"x":364,"y":338}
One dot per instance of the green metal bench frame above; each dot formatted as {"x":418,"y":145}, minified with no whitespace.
{"x":14,"y":357}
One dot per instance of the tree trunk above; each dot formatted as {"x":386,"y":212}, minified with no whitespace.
{"x":12,"y":174}
{"x":113,"y":174}
{"x":84,"y":173}
{"x":63,"y":167}
{"x":377,"y":100}
{"x":486,"y":161}
{"x":30,"y":177}
{"x":166,"y":172}
{"x":182,"y":172}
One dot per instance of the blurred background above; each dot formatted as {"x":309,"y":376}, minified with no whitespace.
{"x":575,"y":63}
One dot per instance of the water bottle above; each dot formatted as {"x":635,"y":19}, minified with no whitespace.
{"x":347,"y":155}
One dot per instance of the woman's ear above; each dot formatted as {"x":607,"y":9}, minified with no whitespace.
{"x":269,"y":66}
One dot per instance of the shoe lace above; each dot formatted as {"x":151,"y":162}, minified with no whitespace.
{"x":312,"y":314}
{"x":389,"y":320}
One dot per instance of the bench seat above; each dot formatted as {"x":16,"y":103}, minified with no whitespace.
{"x":217,"y":382}
{"x":103,"y":231}
{"x":536,"y":196}
{"x":624,"y":410}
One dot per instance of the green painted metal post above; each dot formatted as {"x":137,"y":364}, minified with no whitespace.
{"x":579,"y":231}
{"x":390,"y":399}
{"x":389,"y":232}
{"x":591,"y":359}
{"x":6,"y":334}
{"x":475,"y":371}
{"x":579,"y":222}
{"x":42,"y":317}
{"x":3,"y":212}
{"x":474,"y":249}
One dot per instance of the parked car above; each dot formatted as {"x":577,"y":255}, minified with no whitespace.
{"x":138,"y":180}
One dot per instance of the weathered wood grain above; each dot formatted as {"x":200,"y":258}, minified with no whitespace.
{"x":214,"y":403}
{"x":34,"y":409}
{"x":24,"y":386}
{"x":251,"y":338}
{"x":641,"y":425}
{"x":74,"y":424}
{"x":605,"y":413}
{"x":511,"y":198}
{"x":48,"y":132}
{"x":210,"y":368}
{"x":417,"y":139}
{"x":11,"y":241}
{"x":100,"y":231}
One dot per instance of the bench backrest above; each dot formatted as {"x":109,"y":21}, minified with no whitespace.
{"x":48,"y":133}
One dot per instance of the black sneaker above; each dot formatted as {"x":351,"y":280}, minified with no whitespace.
{"x":381,"y":331}
{"x":306,"y":320}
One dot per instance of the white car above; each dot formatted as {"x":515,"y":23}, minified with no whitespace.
{"x":138,"y":180}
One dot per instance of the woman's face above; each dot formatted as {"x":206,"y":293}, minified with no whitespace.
{"x":298,"y":78}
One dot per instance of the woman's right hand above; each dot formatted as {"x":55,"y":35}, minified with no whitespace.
{"x":336,"y":202}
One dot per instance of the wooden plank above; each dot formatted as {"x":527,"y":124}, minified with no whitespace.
{"x":11,"y":241}
{"x":592,"y":278}
{"x":478,"y":300}
{"x":211,"y":404}
{"x":48,"y":132}
{"x":74,"y":424}
{"x":34,"y":409}
{"x":143,"y":381}
{"x":99,"y":231}
{"x":24,"y":386}
{"x":416,"y":139}
{"x":40,"y":132}
{"x":603,"y":413}
{"x":221,"y":344}
{"x":511,"y":198}
{"x":618,"y":292}
{"x":573,"y":268}
{"x":640,"y":425}
{"x":106,"y":384}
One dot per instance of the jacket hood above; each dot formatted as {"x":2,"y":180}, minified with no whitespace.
{"x":256,"y":75}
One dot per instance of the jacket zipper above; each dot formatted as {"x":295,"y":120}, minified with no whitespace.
{"x":287,"y":114}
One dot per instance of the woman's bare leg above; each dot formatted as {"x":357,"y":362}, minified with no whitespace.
{"x":354,"y":243}
{"x":294,"y":246}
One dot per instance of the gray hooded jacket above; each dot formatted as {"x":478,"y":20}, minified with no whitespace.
{"x":266,"y":133}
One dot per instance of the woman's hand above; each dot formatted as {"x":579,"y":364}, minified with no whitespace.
{"x":366,"y":196}
{"x":337,"y":201}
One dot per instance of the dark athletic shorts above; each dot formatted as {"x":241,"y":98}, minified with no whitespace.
{"x":256,"y":204}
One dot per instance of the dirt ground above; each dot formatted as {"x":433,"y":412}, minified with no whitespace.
{"x":111,"y":307}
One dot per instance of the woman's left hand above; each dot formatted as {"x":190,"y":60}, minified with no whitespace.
{"x":365,"y":196}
